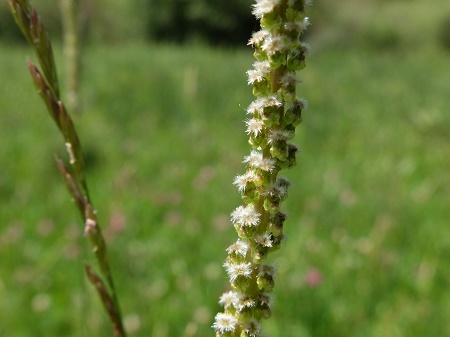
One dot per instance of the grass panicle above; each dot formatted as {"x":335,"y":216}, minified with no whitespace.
{"x":47,"y":86}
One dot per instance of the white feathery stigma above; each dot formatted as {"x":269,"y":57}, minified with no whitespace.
{"x":256,"y":160}
{"x":273,"y":44}
{"x":261,"y":69}
{"x":254,"y":126}
{"x":263,"y":7}
{"x":264,"y":240}
{"x":258,"y":37}
{"x":227,"y":299}
{"x":235,"y":270}
{"x":240,"y":247}
{"x":225,"y":322}
{"x":245,"y":216}
{"x":241,"y":181}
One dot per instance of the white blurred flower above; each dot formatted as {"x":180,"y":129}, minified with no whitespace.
{"x":245,"y":216}
{"x":239,"y":247}
{"x":241,"y":181}
{"x":225,"y":322}
{"x":263,"y":7}
{"x":254,"y":126}
{"x":235,"y":270}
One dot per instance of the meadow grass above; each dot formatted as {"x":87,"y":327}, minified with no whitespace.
{"x":162,"y":129}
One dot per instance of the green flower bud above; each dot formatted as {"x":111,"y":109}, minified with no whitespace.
{"x":278,"y":59}
{"x":271,"y":21}
{"x":296,"y":60}
{"x":271,"y":207}
{"x":261,"y":87}
{"x":279,"y":150}
{"x":258,"y":141}
{"x":293,"y":150}
{"x":265,"y":283}
{"x":250,"y":194}
{"x":259,"y":180}
{"x":259,"y":55}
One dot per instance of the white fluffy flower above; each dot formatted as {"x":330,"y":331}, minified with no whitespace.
{"x":264,"y":240}
{"x":243,"y":301}
{"x":270,"y":101}
{"x":256,"y":160}
{"x":263,"y":7}
{"x":241,"y":181}
{"x":261,"y":69}
{"x":225,"y":322}
{"x":254,"y":126}
{"x":273,"y":44}
{"x":239,"y":247}
{"x":245,"y":216}
{"x":258,"y":37}
{"x":227,"y":299}
{"x":235,"y":270}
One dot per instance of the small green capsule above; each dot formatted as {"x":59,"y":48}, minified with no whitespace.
{"x":271,"y":207}
{"x":279,"y":150}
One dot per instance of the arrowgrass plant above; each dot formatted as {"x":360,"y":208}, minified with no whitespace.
{"x":274,"y":116}
{"x":46,"y":82}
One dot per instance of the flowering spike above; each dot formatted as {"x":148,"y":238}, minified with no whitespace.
{"x":274,"y":115}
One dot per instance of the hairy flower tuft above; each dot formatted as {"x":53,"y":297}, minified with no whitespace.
{"x":270,"y":101}
{"x":235,"y":270}
{"x":264,"y":240}
{"x":258,"y":37}
{"x":243,"y":301}
{"x":241,"y":181}
{"x":257,"y":160}
{"x":263,"y":7}
{"x":225,"y":322}
{"x":245,"y":216}
{"x":261,"y":69}
{"x":227,"y":299}
{"x":254,"y":126}
{"x":253,"y":328}
{"x":240,"y":247}
{"x":279,"y":135}
{"x":273,"y":44}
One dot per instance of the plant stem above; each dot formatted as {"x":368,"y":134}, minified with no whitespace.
{"x":274,"y":116}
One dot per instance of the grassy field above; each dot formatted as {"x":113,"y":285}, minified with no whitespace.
{"x":368,"y":235}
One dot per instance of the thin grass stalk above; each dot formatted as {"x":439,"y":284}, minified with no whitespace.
{"x":71,"y":38}
{"x":47,"y":86}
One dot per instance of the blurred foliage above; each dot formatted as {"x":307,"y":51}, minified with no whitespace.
{"x":444,"y":32}
{"x":367,"y":232}
{"x":218,"y":22}
{"x":371,"y":24}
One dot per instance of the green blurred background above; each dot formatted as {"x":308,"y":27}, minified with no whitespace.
{"x":164,"y":95}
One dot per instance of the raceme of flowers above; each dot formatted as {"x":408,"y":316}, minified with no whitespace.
{"x":273,"y":117}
